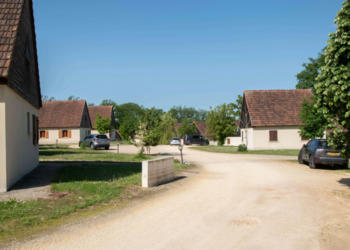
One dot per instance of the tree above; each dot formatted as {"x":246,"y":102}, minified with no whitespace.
{"x":46,"y":98}
{"x":201,"y":115}
{"x":238,"y":106}
{"x":73,"y":98}
{"x":187,"y":127}
{"x":91,"y":104}
{"x":333,"y":83}
{"x":314,"y":122}
{"x":307,"y":77}
{"x":103,"y":125}
{"x":127,"y":115}
{"x":166,"y":128}
{"x":221,"y":122}
{"x":181,"y":113}
{"x":151,"y":120}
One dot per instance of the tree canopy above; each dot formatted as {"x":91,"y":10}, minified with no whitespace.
{"x":333,"y":83}
{"x":187,"y":127}
{"x":181,"y":113}
{"x":103,"y":125}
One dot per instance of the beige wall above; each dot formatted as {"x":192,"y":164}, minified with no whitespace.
{"x":18,"y":155}
{"x":288,"y":138}
{"x":77,"y":135}
{"x":234,"y":141}
{"x":157,"y":171}
{"x":110,"y":136}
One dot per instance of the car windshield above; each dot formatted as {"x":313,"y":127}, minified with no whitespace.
{"x":175,"y":138}
{"x":101,"y":136}
{"x":323,"y":144}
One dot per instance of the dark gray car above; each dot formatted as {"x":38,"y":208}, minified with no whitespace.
{"x":195,"y":139}
{"x":96,"y":141}
{"x":317,"y":152}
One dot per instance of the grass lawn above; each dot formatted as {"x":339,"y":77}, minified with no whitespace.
{"x":85,"y":187}
{"x":63,"y":152}
{"x":234,"y":150}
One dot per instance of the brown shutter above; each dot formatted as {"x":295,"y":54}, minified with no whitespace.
{"x":47,"y":134}
{"x":273,"y":135}
{"x":228,"y":142}
{"x":69,"y":133}
{"x":34,"y":130}
{"x":37,"y":129}
{"x":59,"y":133}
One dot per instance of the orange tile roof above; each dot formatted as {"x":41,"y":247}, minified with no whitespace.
{"x":104,"y":111}
{"x":10,"y":14}
{"x":275,"y":107}
{"x":202,"y":127}
{"x":61,"y":114}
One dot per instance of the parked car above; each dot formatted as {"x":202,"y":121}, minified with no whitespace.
{"x":175,"y":141}
{"x":195,"y":139}
{"x":95,"y":141}
{"x":317,"y":152}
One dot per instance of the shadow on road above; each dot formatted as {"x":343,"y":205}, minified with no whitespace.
{"x":345,"y":182}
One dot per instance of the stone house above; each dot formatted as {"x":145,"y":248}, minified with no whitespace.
{"x":63,"y":121}
{"x":104,"y":111}
{"x":20,"y":95}
{"x":269,"y":118}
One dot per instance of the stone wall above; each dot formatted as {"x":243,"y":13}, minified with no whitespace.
{"x":157,"y":171}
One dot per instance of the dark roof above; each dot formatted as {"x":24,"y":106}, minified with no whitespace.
{"x":104,"y":111}
{"x":62,"y":114}
{"x":202,"y":127}
{"x":10,"y":14}
{"x":16,"y":20}
{"x":275,"y":107}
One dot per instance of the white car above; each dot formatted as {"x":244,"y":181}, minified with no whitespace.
{"x":175,"y":141}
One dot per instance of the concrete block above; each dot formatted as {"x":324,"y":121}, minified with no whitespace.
{"x":157,"y":171}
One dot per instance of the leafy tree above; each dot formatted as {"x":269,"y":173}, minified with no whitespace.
{"x":333,"y":83}
{"x":151,"y":120}
{"x":46,"y":98}
{"x":103,"y":125}
{"x":187,"y":127}
{"x":238,"y":106}
{"x":73,"y":98}
{"x":315,"y":123}
{"x":166,"y":128}
{"x":181,"y":113}
{"x":221,"y":122}
{"x":307,"y":77}
{"x":127,"y":115}
{"x":201,"y":115}
{"x":91,"y":104}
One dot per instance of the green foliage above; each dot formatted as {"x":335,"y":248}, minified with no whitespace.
{"x":307,"y":77}
{"x":238,"y":107}
{"x":166,"y":128}
{"x":180,"y":113}
{"x":91,"y":104}
{"x":315,"y":123}
{"x":103,"y":125}
{"x":46,"y":98}
{"x":187,"y":127}
{"x":221,"y":122}
{"x":73,"y":98}
{"x":242,"y":148}
{"x":332,"y":89}
{"x":82,"y":146}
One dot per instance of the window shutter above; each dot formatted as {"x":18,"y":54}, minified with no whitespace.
{"x":47,"y":134}
{"x":59,"y":133}
{"x":37,"y":129}
{"x":69,"y":133}
{"x":273,"y":135}
{"x":34,"y":130}
{"x":228,"y":142}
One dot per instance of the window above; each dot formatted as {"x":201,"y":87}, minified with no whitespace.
{"x":101,"y":136}
{"x":64,"y":133}
{"x":35,"y":130}
{"x":273,"y":135}
{"x":28,"y":123}
{"x":42,"y":134}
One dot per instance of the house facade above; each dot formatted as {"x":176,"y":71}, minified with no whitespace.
{"x":269,"y":119}
{"x":20,"y":95}
{"x":63,"y":122}
{"x":105,"y":112}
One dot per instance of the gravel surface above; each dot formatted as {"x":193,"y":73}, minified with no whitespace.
{"x":234,"y":202}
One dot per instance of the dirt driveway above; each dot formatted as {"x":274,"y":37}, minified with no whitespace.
{"x":234,"y":202}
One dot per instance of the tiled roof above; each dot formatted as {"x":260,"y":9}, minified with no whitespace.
{"x":61,"y":114}
{"x":104,"y":111}
{"x":202,"y":127}
{"x":275,"y":107}
{"x":10,"y":13}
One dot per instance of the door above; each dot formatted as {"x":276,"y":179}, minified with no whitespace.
{"x":228,"y":141}
{"x":308,"y":149}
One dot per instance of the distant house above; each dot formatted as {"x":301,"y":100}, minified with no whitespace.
{"x":20,"y":96}
{"x":64,"y":121}
{"x":269,"y":118}
{"x":104,"y":111}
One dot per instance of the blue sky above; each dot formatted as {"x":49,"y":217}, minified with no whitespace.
{"x":164,"y":53}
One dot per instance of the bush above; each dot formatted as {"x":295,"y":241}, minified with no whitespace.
{"x":242,"y":148}
{"x":82,"y":146}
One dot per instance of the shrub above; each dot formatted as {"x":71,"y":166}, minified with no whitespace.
{"x":242,"y":148}
{"x":82,"y":146}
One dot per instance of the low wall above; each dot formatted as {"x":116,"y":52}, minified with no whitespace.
{"x":157,"y":171}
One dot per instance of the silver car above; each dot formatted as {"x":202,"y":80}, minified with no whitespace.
{"x":175,"y":141}
{"x":96,"y":141}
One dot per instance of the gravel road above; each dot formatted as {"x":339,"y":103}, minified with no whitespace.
{"x":234,"y":202}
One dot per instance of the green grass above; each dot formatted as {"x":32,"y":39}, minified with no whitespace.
{"x":63,"y":152}
{"x":234,"y":150}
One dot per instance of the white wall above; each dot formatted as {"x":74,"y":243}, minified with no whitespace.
{"x":288,"y":138}
{"x":157,"y":171}
{"x":18,"y":155}
{"x":234,"y":141}
{"x":77,"y":135}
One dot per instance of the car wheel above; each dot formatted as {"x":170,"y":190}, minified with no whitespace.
{"x":106,"y":148}
{"x":92,"y":146}
{"x":300,"y":160}
{"x":312,"y":162}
